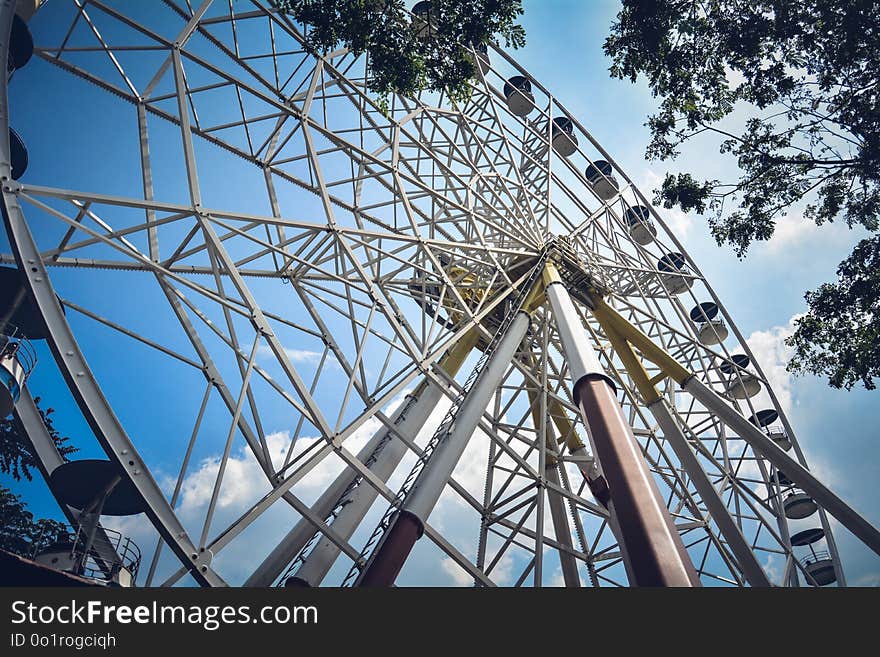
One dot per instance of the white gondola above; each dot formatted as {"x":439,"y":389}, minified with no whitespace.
{"x":711,"y":328}
{"x":97,"y":488}
{"x":821,"y":568}
{"x":674,"y":273}
{"x":601,"y":179}
{"x":642,"y":229}
{"x":518,"y":96}
{"x":798,"y":506}
{"x":765,"y":419}
{"x":564,"y":140}
{"x":740,"y":384}
{"x":59,"y":556}
{"x":17,"y":360}
{"x":113,"y":561}
{"x":780,"y":437}
{"x":818,"y":565}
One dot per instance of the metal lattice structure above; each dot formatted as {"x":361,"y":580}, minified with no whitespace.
{"x":306,"y":262}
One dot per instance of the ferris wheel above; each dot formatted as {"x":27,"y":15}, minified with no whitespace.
{"x":235,"y":255}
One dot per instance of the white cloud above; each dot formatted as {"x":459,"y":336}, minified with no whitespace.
{"x":557,"y":580}
{"x":295,"y":355}
{"x":789,"y":230}
{"x":871,"y":579}
{"x":244,"y":483}
{"x":792,"y":230}
{"x":734,"y":78}
{"x":774,"y":566}
{"x":772,"y":355}
{"x":459,"y":576}
{"x":795,"y":232}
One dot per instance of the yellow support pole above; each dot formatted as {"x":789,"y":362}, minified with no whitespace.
{"x":455,"y":356}
{"x":615,"y":324}
{"x":564,"y":425}
{"x":610,"y":318}
{"x":644,"y":383}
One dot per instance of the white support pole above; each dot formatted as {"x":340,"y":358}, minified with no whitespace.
{"x":295,"y":540}
{"x":382,"y":454}
{"x":410,"y":522}
{"x":430,"y":484}
{"x":579,"y":354}
{"x":802,"y":477}
{"x":322,"y":557}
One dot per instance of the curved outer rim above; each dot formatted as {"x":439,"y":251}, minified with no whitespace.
{"x":71,"y":362}
{"x":109,"y":430}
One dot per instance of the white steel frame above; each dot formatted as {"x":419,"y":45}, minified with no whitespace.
{"x":393,"y":200}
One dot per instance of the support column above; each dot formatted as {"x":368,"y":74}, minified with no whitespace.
{"x":410,"y":521}
{"x":297,"y":538}
{"x":48,"y":458}
{"x":748,"y":562}
{"x":758,"y":441}
{"x":358,"y":502}
{"x":386,"y":451}
{"x":802,"y":478}
{"x":558,"y":514}
{"x":653,"y":552}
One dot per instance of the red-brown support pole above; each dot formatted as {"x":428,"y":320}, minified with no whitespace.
{"x":394,"y":551}
{"x":653,"y":552}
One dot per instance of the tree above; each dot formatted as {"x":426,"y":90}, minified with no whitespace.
{"x":16,"y":455}
{"x":809,"y":73}
{"x":402,"y":61}
{"x":19,"y":532}
{"x":840,"y":335}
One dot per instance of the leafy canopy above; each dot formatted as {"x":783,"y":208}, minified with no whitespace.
{"x":19,"y":532}
{"x":809,"y":74}
{"x":401,"y":61}
{"x":840,"y":335}
{"x":16,"y":455}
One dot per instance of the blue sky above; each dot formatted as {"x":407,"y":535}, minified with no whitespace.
{"x":564,"y":51}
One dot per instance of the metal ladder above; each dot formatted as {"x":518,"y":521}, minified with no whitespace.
{"x":369,"y":551}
